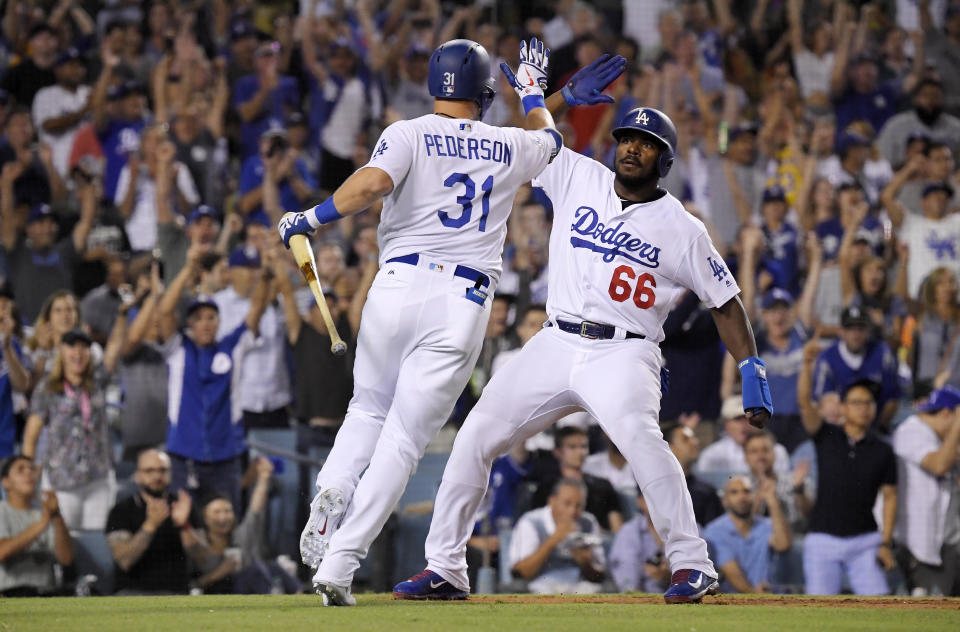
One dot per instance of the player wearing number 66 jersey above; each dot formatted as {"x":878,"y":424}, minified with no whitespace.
{"x":447,"y":182}
{"x":622,"y":252}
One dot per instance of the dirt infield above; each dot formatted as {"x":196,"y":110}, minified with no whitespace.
{"x":899,"y":603}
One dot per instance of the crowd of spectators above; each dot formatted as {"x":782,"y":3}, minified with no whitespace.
{"x":150,"y":319}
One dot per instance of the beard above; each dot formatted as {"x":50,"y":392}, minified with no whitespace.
{"x":929,"y":116}
{"x":743,"y":515}
{"x":156,"y":493}
{"x":636,"y":182}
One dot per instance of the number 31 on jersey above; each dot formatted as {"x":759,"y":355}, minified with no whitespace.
{"x":621,"y":289}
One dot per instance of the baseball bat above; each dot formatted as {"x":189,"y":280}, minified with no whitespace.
{"x":303,"y":253}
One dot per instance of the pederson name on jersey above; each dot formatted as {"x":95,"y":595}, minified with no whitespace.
{"x":447,"y":146}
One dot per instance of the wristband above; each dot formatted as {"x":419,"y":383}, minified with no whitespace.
{"x":532,"y":102}
{"x":756,"y":391}
{"x":323,"y":214}
{"x":567,"y":94}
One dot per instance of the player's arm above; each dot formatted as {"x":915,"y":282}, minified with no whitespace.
{"x":737,"y":335}
{"x":390,"y":164}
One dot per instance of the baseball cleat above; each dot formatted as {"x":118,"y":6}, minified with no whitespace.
{"x":334,"y":595}
{"x":427,"y":585}
{"x":689,"y":586}
{"x":326,"y":513}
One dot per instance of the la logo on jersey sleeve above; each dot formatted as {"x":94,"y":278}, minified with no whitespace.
{"x":381,"y":149}
{"x":719,"y":271}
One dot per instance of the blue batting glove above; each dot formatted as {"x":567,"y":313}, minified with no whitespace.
{"x":664,"y":381}
{"x":756,"y":391}
{"x":587,"y":85}
{"x":294,"y":224}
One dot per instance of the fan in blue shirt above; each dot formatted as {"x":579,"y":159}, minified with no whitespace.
{"x":205,"y":437}
{"x":859,"y":356}
{"x":742,"y":544}
{"x":264,"y":99}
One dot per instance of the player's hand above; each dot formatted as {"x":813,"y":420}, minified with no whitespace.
{"x":587,"y":85}
{"x":294,"y":224}
{"x":530,"y":79}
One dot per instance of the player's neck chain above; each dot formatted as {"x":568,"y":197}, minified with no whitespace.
{"x":443,"y":114}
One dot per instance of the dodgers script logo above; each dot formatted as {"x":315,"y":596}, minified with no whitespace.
{"x":614,"y":242}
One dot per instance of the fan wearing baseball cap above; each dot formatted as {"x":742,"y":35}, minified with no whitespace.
{"x":786,"y":325}
{"x":205,"y":437}
{"x":932,"y":232}
{"x":39,"y":264}
{"x":859,"y":355}
{"x":928,"y":521}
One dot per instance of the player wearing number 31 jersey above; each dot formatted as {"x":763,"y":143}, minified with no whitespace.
{"x":622,"y":252}
{"x":447,"y":181}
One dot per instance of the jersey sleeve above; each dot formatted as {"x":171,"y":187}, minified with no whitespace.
{"x":704,"y":271}
{"x":536,"y":149}
{"x":393,"y":152}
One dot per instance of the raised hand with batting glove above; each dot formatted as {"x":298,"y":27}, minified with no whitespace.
{"x":587,"y":85}
{"x":530,"y":79}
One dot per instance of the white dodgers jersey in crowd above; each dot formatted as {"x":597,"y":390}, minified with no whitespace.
{"x":454,"y":184}
{"x":624,"y":267}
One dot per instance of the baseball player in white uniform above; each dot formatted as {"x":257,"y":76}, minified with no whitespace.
{"x":448,"y":183}
{"x":622,"y":253}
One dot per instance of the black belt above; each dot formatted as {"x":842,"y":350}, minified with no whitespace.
{"x":463,"y":272}
{"x":592,"y":331}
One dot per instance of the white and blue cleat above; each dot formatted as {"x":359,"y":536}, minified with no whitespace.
{"x":690,"y":586}
{"x":428,"y":585}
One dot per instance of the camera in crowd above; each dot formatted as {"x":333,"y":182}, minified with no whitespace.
{"x":277,"y":142}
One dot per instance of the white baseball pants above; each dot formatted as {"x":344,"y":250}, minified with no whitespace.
{"x":556,"y":373}
{"x":418,"y":343}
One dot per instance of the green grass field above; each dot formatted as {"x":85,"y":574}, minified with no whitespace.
{"x":380,"y":612}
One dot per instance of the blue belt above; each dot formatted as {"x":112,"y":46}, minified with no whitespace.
{"x":591,"y":330}
{"x":481,"y":279}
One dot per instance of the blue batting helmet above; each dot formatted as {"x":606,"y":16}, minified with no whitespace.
{"x":460,"y":69}
{"x":656,"y":124}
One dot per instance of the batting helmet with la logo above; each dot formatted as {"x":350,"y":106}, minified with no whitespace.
{"x":656,"y":124}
